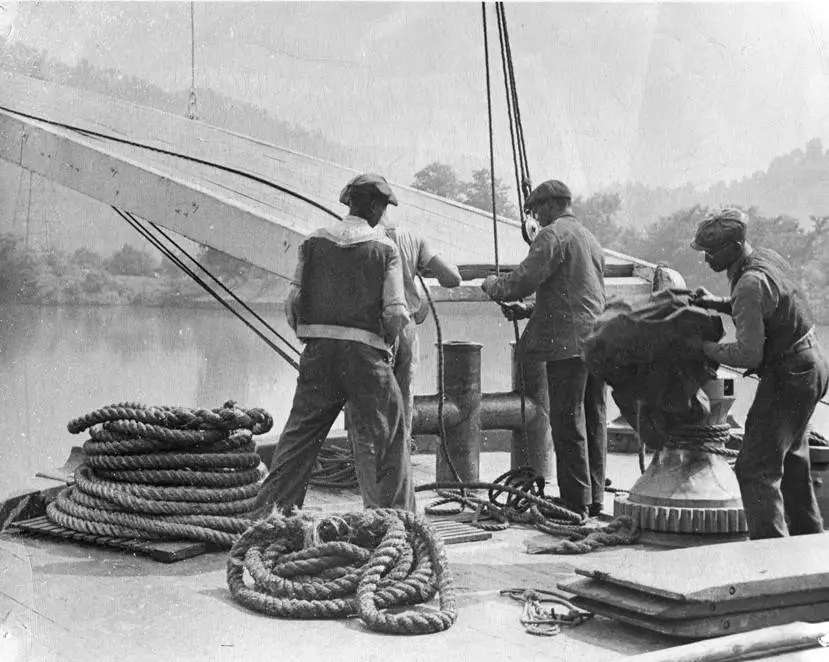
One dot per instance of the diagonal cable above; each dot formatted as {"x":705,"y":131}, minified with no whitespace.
{"x":135,"y":223}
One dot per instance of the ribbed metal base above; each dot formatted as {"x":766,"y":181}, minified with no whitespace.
{"x":675,"y":519}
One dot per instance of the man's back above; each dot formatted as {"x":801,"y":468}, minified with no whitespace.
{"x":571,"y":296}
{"x":350,"y":285}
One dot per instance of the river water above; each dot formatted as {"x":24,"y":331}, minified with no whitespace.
{"x":58,"y":363}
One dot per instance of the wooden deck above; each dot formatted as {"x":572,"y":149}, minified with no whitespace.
{"x":68,"y":602}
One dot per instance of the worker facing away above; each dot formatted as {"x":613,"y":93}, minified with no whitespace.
{"x":565,"y":270}
{"x":417,"y":257}
{"x":775,"y":338}
{"x":348,"y":306}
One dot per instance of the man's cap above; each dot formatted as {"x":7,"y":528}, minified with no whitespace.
{"x":375,"y":184}
{"x":545,"y":191}
{"x":720,"y":227}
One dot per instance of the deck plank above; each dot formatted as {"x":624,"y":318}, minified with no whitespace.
{"x":712,"y":626}
{"x":737,"y":570}
{"x":651,"y":606}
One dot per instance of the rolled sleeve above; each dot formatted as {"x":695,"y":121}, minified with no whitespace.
{"x":425,"y":253}
{"x":752,"y":300}
{"x":542,"y":262}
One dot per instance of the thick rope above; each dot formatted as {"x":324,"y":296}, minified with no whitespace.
{"x":548,"y":507}
{"x":703,"y":438}
{"x":165,"y":473}
{"x":224,"y":418}
{"x":621,"y":531}
{"x":106,"y":442}
{"x":526,"y":504}
{"x":334,"y":468}
{"x":343,"y":565}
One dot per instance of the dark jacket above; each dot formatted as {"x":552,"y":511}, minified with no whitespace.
{"x":565,"y":269}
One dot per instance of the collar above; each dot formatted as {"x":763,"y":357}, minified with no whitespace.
{"x":353,"y":229}
{"x":737,"y":267}
{"x":355,"y":220}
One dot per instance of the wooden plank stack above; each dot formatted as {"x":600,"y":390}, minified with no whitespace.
{"x":712,"y":590}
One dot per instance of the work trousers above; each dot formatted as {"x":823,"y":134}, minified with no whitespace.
{"x":578,"y":419}
{"x":405,"y":363}
{"x":331,"y":374}
{"x":773,"y":467}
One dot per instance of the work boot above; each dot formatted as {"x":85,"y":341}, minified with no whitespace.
{"x":595,"y":509}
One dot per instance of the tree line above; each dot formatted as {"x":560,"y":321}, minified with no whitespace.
{"x":654,"y":224}
{"x":129,"y":276}
{"x":666,"y":240}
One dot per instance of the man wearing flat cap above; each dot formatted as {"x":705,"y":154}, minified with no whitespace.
{"x":348,"y":306}
{"x":775,"y":338}
{"x":565,"y":270}
{"x":416,"y":257}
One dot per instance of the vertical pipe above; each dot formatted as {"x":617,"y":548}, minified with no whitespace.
{"x":535,"y":448}
{"x":462,"y":386}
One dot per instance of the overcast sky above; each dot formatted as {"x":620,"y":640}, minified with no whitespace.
{"x":658,"y":93}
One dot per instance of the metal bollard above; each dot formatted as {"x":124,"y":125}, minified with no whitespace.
{"x":535,"y":448}
{"x":462,"y":387}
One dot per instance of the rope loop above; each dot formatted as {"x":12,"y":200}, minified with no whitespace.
{"x":342,"y":565}
{"x":522,"y":478}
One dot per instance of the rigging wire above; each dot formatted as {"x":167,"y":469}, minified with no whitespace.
{"x":227,"y":290}
{"x":516,"y":137}
{"x":517,"y":142}
{"x":491,"y":138}
{"x":520,"y":142}
{"x":512,"y":129}
{"x":167,"y":252}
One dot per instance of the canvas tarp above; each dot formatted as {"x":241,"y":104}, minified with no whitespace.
{"x":643,"y":353}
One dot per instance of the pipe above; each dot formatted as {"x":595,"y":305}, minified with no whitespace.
{"x":462,"y":386}
{"x":532,"y":447}
{"x":467,"y":412}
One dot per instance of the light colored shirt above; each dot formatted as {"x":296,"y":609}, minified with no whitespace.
{"x":415,"y":255}
{"x":752,"y":300}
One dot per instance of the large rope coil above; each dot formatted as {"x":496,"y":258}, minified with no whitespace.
{"x":165,"y":473}
{"x":342,"y":565}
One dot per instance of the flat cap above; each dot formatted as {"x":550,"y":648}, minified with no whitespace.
{"x":548,"y":190}
{"x":370,"y":182}
{"x":720,"y":226}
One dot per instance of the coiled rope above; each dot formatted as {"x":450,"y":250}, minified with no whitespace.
{"x":165,"y":473}
{"x":343,"y":565}
{"x":526,"y":504}
{"x":334,"y":468}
